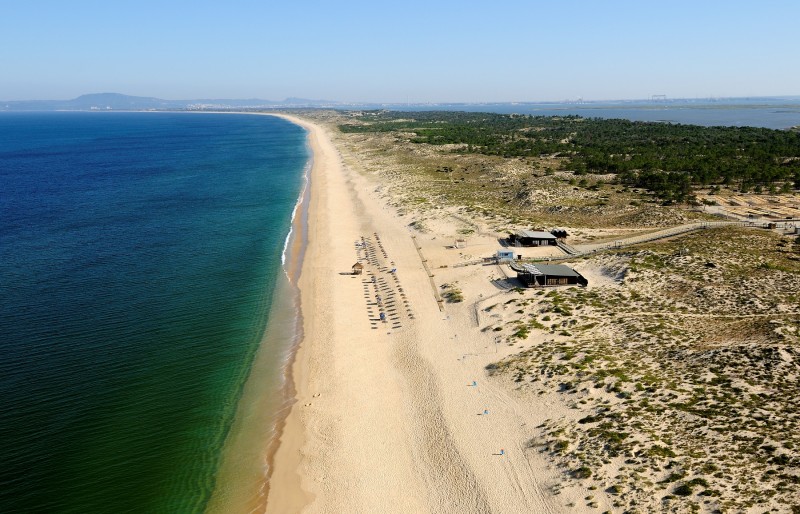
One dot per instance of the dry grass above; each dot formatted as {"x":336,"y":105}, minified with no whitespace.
{"x":684,"y":374}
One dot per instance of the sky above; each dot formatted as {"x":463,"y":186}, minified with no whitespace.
{"x":401,"y":51}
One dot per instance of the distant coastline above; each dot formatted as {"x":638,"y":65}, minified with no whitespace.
{"x":765,"y":112}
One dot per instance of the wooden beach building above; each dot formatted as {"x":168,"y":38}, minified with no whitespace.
{"x":358,"y":268}
{"x":532,"y":238}
{"x":548,"y":275}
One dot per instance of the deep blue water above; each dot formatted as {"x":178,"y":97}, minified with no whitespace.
{"x":138,"y":254}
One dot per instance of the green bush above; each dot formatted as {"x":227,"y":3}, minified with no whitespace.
{"x":683,"y":490}
{"x":582,"y":472}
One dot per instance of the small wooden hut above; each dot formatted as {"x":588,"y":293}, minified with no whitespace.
{"x":358,"y":268}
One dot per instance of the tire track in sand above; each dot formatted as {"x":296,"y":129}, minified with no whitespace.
{"x":449,"y":479}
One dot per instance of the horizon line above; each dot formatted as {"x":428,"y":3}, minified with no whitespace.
{"x":659,"y":98}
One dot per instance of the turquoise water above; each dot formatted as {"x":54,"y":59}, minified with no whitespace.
{"x":139,"y":252}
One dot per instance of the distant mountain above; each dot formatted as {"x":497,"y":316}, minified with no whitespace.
{"x":119,"y":102}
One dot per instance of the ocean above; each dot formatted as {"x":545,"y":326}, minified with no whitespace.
{"x":139,"y":259}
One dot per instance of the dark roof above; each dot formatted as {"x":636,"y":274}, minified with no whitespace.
{"x":551,"y":270}
{"x":534,"y":234}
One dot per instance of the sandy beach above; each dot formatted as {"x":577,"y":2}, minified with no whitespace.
{"x":396,"y":415}
{"x":431,"y":382}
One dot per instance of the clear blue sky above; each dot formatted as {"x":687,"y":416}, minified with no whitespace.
{"x":433,"y":50}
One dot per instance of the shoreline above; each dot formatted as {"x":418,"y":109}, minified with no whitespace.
{"x":247,"y":491}
{"x":285,"y":432}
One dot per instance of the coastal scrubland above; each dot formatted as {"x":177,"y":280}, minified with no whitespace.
{"x":682,"y":371}
{"x":672,"y":381}
{"x":667,"y":159}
